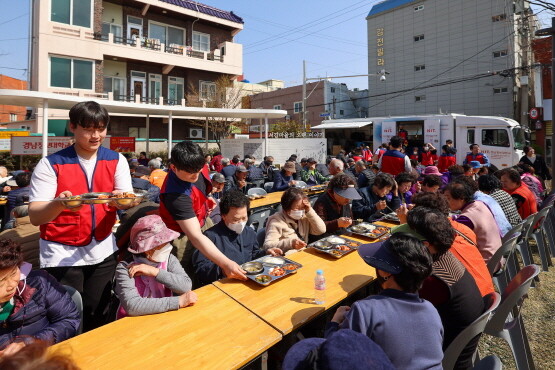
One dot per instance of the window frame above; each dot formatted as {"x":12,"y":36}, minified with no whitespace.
{"x":501,"y":53}
{"x":297,"y":107}
{"x":204,"y":87}
{"x":93,"y":76}
{"x":499,"y":17}
{"x":418,"y":7}
{"x":123,"y":79}
{"x":155,"y":77}
{"x":418,"y":38}
{"x":500,"y":90}
{"x":471,"y":136}
{"x":496,"y":137}
{"x":166,"y":26}
{"x":419,"y":67}
{"x":176,"y":81}
{"x":419,"y":98}
{"x":139,"y":129}
{"x":91,"y":15}
{"x":277,"y":107}
{"x":193,"y":41}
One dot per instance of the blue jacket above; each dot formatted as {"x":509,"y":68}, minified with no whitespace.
{"x":229,"y":170}
{"x":153,"y":190}
{"x":281,"y":182}
{"x":365,"y":208}
{"x":238,"y":248}
{"x":43,"y":310}
{"x":496,"y":210}
{"x":17,"y":197}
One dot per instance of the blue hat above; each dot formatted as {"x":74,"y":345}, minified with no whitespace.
{"x":379,"y":255}
{"x":475,"y":164}
{"x":344,"y":349}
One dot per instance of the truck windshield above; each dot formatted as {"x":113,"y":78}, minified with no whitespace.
{"x":520,"y":137}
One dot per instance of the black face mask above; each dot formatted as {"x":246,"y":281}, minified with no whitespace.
{"x":235,"y":160}
{"x":269,"y":163}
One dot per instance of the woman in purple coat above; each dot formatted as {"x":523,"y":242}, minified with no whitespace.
{"x":33,"y":305}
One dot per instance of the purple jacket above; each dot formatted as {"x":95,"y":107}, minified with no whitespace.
{"x":43,"y":310}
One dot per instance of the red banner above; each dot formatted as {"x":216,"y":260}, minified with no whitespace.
{"x":122,"y":144}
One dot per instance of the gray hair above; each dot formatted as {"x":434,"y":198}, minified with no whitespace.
{"x":360,"y":164}
{"x":154,"y":163}
{"x":3,"y":168}
{"x":21,"y":211}
{"x":338,"y":164}
{"x":249,"y":161}
{"x":225,"y":161}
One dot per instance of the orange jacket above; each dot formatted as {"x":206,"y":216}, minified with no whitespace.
{"x":157,"y":177}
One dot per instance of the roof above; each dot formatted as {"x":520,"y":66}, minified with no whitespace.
{"x":215,"y":12}
{"x":387,"y":5}
{"x":58,"y":101}
{"x":342,"y":124}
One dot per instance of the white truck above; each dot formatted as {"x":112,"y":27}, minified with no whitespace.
{"x":502,"y":139}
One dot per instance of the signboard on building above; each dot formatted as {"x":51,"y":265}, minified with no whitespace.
{"x":122,"y":144}
{"x":5,"y":136}
{"x":280,"y":149}
{"x":32,"y":145}
{"x":325,"y":114}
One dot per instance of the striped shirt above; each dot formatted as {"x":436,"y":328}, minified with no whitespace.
{"x":507,"y":205}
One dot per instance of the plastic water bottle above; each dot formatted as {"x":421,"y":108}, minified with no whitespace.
{"x":319,"y":287}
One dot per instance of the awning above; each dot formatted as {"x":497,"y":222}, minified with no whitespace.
{"x":342,"y":124}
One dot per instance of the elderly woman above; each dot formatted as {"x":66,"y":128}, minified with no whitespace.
{"x":476,"y":215}
{"x":284,"y":178}
{"x":333,"y":206}
{"x":373,"y":203}
{"x":146,"y":282}
{"x":537,"y":162}
{"x":523,"y":197}
{"x":490,"y":184}
{"x":33,"y":304}
{"x":290,"y":228}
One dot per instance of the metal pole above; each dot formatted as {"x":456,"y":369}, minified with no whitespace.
{"x":304,"y":96}
{"x":45,"y":128}
{"x":552,"y":101}
{"x":206,"y":135}
{"x":266,"y":136}
{"x":170,"y":139}
{"x":147,"y":134}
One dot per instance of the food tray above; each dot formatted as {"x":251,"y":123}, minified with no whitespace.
{"x":391,"y":217}
{"x":370,"y":230}
{"x":335,"y":246}
{"x":256,"y":196}
{"x":269,"y":263}
{"x":127,"y":198}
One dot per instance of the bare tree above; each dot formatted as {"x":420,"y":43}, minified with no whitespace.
{"x":220,"y":94}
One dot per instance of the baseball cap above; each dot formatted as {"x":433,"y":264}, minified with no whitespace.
{"x":475,"y":164}
{"x":311,"y":160}
{"x":218,"y":177}
{"x":349,"y":192}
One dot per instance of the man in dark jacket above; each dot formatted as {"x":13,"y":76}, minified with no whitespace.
{"x":365,"y":177}
{"x":139,"y":180}
{"x":228,"y":169}
{"x":238,"y":181}
{"x":255,"y":174}
{"x":19,"y":196}
{"x":231,"y":237}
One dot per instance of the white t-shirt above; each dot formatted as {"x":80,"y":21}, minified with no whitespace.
{"x":44,"y":184}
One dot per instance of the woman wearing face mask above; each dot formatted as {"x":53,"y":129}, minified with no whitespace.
{"x":33,"y":305}
{"x":290,"y":228}
{"x":231,"y":237}
{"x":152,"y":280}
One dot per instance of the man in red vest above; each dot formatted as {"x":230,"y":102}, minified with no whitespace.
{"x":393,"y":161}
{"x":185,"y":204}
{"x":76,"y":245}
{"x":476,"y":155}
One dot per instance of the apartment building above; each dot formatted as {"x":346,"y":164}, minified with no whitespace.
{"x":441,"y":56}
{"x":12,"y":113}
{"x":143,"y":51}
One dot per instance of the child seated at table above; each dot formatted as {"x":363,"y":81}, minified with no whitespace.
{"x":147,"y":281}
{"x":402,"y":263}
{"x":231,"y":237}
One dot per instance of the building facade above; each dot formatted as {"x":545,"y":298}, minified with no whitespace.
{"x":542,"y":128}
{"x":12,"y":113}
{"x":143,"y":51}
{"x":450,"y":57}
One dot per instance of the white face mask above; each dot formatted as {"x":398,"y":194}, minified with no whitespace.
{"x":237,"y":227}
{"x":162,"y":254}
{"x":296,"y":215}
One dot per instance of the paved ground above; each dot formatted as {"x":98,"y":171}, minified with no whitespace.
{"x":539,"y":319}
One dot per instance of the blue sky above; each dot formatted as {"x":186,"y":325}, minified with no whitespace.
{"x":329,"y":34}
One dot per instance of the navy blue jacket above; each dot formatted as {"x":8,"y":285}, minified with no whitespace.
{"x":255,"y":173}
{"x":153,"y":190}
{"x":229,"y":170}
{"x":239,"y":248}
{"x":43,"y":310}
{"x":281,"y":182}
{"x":365,"y":208}
{"x":17,"y":197}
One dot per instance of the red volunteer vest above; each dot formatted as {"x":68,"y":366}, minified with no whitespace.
{"x":77,"y":229}
{"x":393,"y":162}
{"x":479,"y":157}
{"x":530,"y":205}
{"x":446,"y":161}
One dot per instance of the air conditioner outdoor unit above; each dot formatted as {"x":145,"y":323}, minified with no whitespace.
{"x":195,"y":133}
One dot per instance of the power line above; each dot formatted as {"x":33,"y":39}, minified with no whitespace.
{"x":20,"y":38}
{"x":13,"y":19}
{"x":17,"y":69}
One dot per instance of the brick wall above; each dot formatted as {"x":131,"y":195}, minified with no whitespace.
{"x":97,"y":17}
{"x":7,"y":82}
{"x":99,"y":76}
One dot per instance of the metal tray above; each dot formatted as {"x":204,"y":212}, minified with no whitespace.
{"x":356,"y":229}
{"x":337,"y":250}
{"x":391,"y":217}
{"x":269,"y":267}
{"x":93,"y":198}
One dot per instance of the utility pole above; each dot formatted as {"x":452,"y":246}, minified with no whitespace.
{"x":547,"y":32}
{"x":304,"y":96}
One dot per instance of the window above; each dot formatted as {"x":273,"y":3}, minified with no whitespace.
{"x":207,"y":90}
{"x":75,"y":12}
{"x":341,"y":112}
{"x":418,"y":8}
{"x":420,"y":98}
{"x":13,"y":117}
{"x":166,"y":34}
{"x":470,"y":136}
{"x":139,"y":132}
{"x":277,"y":107}
{"x":201,"y":41}
{"x":298,"y":106}
{"x":112,"y":28}
{"x":332,"y":89}
{"x":500,"y":53}
{"x":499,"y":18}
{"x":176,"y":86}
{"x":419,"y":67}
{"x":495,"y":137}
{"x":115,"y":85}
{"x":154,"y":86}
{"x":71,"y":73}
{"x":418,"y":38}
{"x":500,"y":90}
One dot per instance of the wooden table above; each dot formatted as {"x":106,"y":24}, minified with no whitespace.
{"x":274,"y":198}
{"x":216,"y":333}
{"x":288,"y":303}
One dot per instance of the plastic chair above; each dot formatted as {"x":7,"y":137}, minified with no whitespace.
{"x":522,"y":247}
{"x":260,"y":236}
{"x":550,"y":230}
{"x":540,"y":236}
{"x":258,"y":183}
{"x":78,"y":300}
{"x":502,"y":276}
{"x":257,"y":191}
{"x":268,"y":187}
{"x":506,"y":323}
{"x":257,"y":219}
{"x":491,"y":362}
{"x":517,"y":229}
{"x":279,"y":208}
{"x":452,"y":353}
{"x":313,"y":199}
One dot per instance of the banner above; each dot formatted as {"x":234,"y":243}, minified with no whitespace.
{"x":5,"y":136}
{"x":32,"y":145}
{"x":122,"y":144}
